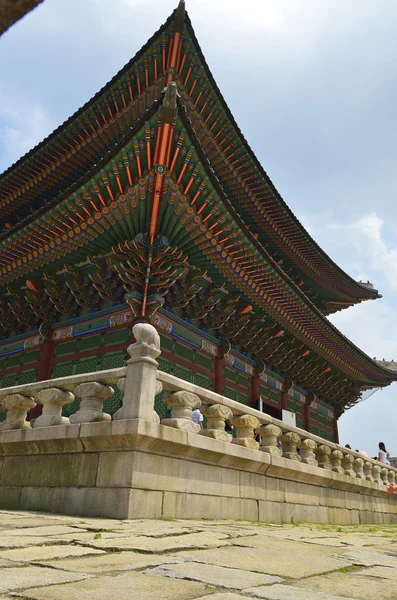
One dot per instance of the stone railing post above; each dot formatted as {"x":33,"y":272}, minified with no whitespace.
{"x":216,"y":416}
{"x":17,"y":408}
{"x":52,"y":401}
{"x":336,"y":461}
{"x":323,"y":453}
{"x":376,"y":473}
{"x":347,"y":464}
{"x":383,"y":475}
{"x":358,"y":466}
{"x":182,"y":404}
{"x":140,"y":381}
{"x":290,"y":440}
{"x":368,"y":471}
{"x":269,"y":434}
{"x":307,"y":448}
{"x":245,"y":431}
{"x":92,"y":396}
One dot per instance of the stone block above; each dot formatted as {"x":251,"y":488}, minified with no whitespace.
{"x":145,"y":504}
{"x":260,"y":487}
{"x":201,"y":506}
{"x":9,"y":496}
{"x":303,"y":493}
{"x":270,"y":512}
{"x":56,"y":470}
{"x":91,"y":502}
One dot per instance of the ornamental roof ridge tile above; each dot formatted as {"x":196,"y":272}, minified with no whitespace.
{"x":352,"y":281}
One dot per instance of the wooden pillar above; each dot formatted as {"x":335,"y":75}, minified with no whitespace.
{"x":288,"y":383}
{"x":307,"y":415}
{"x":335,"y":426}
{"x":219,"y":381}
{"x":44,"y":370}
{"x":254,"y":392}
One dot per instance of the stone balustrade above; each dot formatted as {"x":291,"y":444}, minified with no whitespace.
{"x":140,"y":382}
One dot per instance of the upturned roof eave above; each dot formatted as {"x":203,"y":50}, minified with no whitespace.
{"x":390,"y":375}
{"x":362,"y":292}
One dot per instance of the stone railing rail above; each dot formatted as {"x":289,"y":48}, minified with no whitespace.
{"x":140,"y":382}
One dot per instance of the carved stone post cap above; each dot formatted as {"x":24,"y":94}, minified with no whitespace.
{"x":376,"y":468}
{"x":322,"y":449}
{"x":245,"y":421}
{"x":92,"y":388}
{"x":358,"y":462}
{"x":147,"y":341}
{"x":182,"y":398}
{"x":348,"y":458}
{"x":270,"y":429}
{"x":290,"y":437}
{"x":54,"y":396}
{"x":217,"y":410}
{"x":307,"y":444}
{"x":338,"y":454}
{"x":18,"y":401}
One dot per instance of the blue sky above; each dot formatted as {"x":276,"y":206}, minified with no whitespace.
{"x":313,"y":87}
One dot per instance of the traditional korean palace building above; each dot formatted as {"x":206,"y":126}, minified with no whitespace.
{"x":149,"y":204}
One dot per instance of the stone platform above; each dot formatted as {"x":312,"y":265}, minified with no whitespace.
{"x":49,"y":557}
{"x":135,"y":466}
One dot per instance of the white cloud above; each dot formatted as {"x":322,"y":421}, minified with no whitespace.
{"x":369,"y":248}
{"x":23,"y":124}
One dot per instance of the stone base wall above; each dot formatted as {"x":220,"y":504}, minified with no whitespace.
{"x":136,"y":469}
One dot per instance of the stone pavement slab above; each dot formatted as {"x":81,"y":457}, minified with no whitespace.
{"x":126,"y":586}
{"x":273,"y":557}
{"x":38,"y":531}
{"x":34,"y":553}
{"x":370,"y":559}
{"x":287,"y":592}
{"x":113,"y":561}
{"x":360,"y":587}
{"x":382,"y":572}
{"x":22,"y":542}
{"x":170,"y":543}
{"x":101,"y":559}
{"x":20,"y":578}
{"x":222,"y":596}
{"x":214,"y":575}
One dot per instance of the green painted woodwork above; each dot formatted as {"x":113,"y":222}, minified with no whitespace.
{"x":237,"y":377}
{"x":295,"y":407}
{"x":93,"y":342}
{"x":118,"y":336}
{"x":233,"y":394}
{"x":272,"y":395}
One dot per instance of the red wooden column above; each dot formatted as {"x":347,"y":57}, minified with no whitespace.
{"x":44,"y":370}
{"x":288,"y":383}
{"x":337,"y":414}
{"x":254,"y":391}
{"x":307,"y":415}
{"x":219,"y":380}
{"x":309,"y":399}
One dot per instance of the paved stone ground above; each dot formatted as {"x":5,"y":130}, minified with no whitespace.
{"x":51,"y":557}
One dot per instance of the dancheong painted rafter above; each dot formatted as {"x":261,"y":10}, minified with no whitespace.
{"x":149,"y":200}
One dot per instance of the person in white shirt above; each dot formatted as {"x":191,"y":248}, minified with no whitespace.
{"x":197,"y":417}
{"x":383,"y":455}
